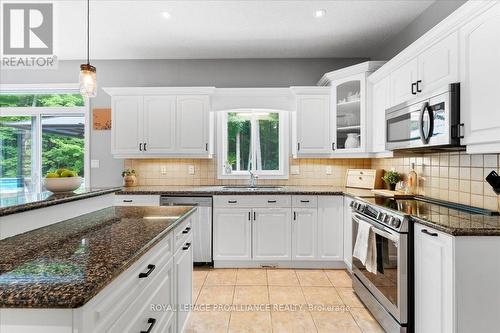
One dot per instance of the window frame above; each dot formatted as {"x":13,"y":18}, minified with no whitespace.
{"x":40,"y":111}
{"x":222,"y":145}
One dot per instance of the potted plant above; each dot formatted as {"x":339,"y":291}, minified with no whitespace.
{"x":129,"y":177}
{"x":391,"y":178}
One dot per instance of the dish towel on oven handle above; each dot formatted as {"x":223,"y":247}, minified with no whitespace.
{"x":365,"y":248}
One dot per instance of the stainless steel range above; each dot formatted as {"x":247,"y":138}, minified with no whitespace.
{"x":385,"y":291}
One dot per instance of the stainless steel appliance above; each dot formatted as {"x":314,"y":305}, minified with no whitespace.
{"x":431,"y":121}
{"x":202,"y":225}
{"x":386,"y":292}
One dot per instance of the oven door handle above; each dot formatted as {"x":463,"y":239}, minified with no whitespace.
{"x":376,"y":230}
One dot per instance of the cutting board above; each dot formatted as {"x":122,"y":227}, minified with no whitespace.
{"x":392,"y":194}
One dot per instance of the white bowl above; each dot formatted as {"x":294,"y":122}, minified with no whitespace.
{"x":63,"y":184}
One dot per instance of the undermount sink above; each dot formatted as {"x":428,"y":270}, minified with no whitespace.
{"x":254,"y":188}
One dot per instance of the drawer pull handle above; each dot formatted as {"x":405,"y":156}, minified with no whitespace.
{"x":271,"y":201}
{"x":232,"y":201}
{"x":151,"y":268}
{"x":434,"y":234}
{"x":151,"y":322}
{"x":128,"y":200}
{"x":185,"y":231}
{"x":304,"y":201}
{"x":360,"y":178}
{"x":186,"y":246}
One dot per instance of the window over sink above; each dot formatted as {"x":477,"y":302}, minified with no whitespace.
{"x":252,"y":140}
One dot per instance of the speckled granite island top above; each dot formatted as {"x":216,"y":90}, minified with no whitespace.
{"x":230,"y":190}
{"x":17,"y":203}
{"x":65,"y":264}
{"x":462,"y":224}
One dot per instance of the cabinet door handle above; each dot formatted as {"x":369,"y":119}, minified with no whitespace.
{"x":333,"y":145}
{"x":151,"y":268}
{"x":128,"y":200}
{"x":271,"y":201}
{"x":206,"y":146}
{"x":413,"y":88}
{"x":140,"y":146}
{"x":232,"y":201}
{"x":294,"y":216}
{"x":249,"y":216}
{"x":425,"y":231}
{"x":185,"y":231}
{"x":186,"y":246}
{"x":418,"y":86}
{"x":151,"y":322}
{"x":145,"y":146}
{"x":460,"y":135}
{"x":254,"y":216}
{"x":298,"y":146}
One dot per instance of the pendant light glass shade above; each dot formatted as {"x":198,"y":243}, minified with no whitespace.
{"x":88,"y":81}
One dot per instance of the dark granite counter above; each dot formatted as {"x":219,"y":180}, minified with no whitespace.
{"x":462,"y":224}
{"x":227,"y":190}
{"x":17,"y":203}
{"x":65,"y":264}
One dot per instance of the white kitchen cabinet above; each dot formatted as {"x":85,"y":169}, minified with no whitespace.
{"x":347,"y":233}
{"x":403,"y":82}
{"x":232,"y":234}
{"x":330,"y":228}
{"x":193,"y":126}
{"x":127,"y":125}
{"x":159,"y":124}
{"x":380,"y":102}
{"x":271,"y":234}
{"x":438,"y":65}
{"x":305,"y":233}
{"x":434,"y":298}
{"x":313,"y":124}
{"x":183,"y":268}
{"x":479,"y":80}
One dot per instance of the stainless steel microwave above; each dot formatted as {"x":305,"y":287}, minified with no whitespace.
{"x":430,"y":122}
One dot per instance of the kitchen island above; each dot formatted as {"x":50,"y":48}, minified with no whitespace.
{"x":85,"y":273}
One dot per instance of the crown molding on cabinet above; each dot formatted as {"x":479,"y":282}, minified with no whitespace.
{"x":453,"y":22}
{"x":310,"y":90}
{"x":364,"y":67}
{"x":144,"y":91}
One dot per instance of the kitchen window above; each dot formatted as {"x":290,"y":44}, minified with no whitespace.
{"x":41,"y":130}
{"x":252,"y":140}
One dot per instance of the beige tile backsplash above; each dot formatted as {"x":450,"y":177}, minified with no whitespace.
{"x":456,"y":176}
{"x":312,"y":172}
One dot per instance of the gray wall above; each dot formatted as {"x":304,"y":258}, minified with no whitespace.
{"x":221,"y":73}
{"x":423,"y":23}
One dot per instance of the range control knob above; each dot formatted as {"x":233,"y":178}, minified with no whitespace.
{"x":381,"y":217}
{"x":394,"y":222}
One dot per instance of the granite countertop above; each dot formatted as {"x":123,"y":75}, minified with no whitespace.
{"x":224,"y":190}
{"x":461,"y":224}
{"x":17,"y":203}
{"x":65,"y":264}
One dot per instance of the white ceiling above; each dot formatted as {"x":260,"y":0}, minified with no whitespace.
{"x":126,"y":29}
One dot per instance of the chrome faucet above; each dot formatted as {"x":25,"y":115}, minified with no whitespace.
{"x":253,"y":179}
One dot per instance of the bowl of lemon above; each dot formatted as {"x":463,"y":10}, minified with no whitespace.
{"x":62,"y":180}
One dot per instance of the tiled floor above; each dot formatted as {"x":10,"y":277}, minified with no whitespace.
{"x":287,"y":300}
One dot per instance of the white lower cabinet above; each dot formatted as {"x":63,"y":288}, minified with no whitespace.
{"x":183,"y":268}
{"x":277,"y":229}
{"x":305,"y":233}
{"x":330,"y":228}
{"x":232,"y":234}
{"x":271,"y":234}
{"x":347,"y":233}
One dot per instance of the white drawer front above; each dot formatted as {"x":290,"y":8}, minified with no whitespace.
{"x":305,"y":201}
{"x":102,"y":311}
{"x":251,"y":201}
{"x":137,"y":200}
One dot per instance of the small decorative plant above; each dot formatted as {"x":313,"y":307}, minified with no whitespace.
{"x":391,"y":178}
{"x":129,"y":177}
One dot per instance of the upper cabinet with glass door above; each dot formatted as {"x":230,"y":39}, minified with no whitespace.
{"x":349,"y":100}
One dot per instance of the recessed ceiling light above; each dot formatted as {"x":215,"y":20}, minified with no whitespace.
{"x":320,"y":13}
{"x":166,"y":15}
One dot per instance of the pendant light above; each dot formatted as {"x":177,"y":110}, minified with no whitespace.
{"x":88,"y":83}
